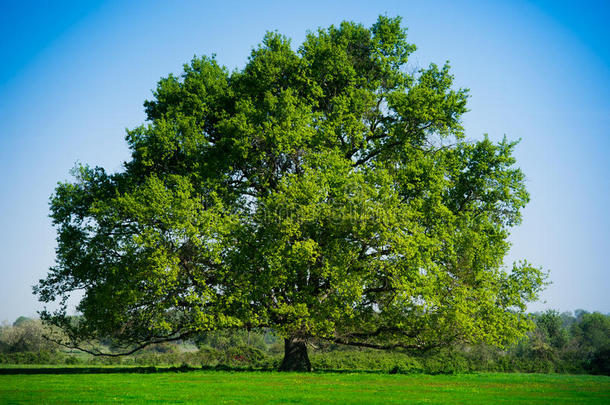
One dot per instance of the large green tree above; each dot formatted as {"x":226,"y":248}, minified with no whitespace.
{"x":327,"y":193}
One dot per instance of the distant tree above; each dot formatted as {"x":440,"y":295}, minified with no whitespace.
{"x":579,"y":313}
{"x":592,"y":331}
{"x":550,"y":323}
{"x":26,"y":335}
{"x":591,"y":334}
{"x":567,"y":319}
{"x":327,"y":193}
{"x":21,"y":320}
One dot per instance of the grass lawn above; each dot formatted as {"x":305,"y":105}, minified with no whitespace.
{"x":316,"y":388}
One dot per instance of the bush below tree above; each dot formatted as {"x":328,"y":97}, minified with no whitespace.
{"x":561,"y":343}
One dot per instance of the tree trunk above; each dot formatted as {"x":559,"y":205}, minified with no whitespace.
{"x":295,"y":356}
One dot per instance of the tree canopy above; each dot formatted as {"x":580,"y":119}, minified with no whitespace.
{"x":327,"y":192}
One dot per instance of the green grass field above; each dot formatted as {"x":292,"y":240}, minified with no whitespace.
{"x":318,"y":388}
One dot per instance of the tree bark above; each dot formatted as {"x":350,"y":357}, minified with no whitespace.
{"x":295,"y":356}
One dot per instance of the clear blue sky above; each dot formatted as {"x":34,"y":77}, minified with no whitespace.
{"x":74,"y":75}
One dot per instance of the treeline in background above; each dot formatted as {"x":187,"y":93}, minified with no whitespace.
{"x":560,"y":343}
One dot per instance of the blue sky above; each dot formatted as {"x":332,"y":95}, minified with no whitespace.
{"x":74,"y":76}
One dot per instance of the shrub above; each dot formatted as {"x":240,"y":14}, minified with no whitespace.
{"x":446,"y":361}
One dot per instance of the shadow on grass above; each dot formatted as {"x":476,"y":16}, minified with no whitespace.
{"x":154,"y":369}
{"x":116,"y":370}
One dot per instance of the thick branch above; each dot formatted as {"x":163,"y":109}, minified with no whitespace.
{"x":382,"y":347}
{"x":95,"y":352}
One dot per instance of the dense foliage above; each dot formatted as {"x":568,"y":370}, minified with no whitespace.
{"x":327,"y":193}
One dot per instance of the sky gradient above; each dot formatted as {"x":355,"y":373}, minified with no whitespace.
{"x":74,"y":76}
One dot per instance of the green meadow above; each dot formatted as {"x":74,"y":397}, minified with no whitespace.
{"x":300,"y":388}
